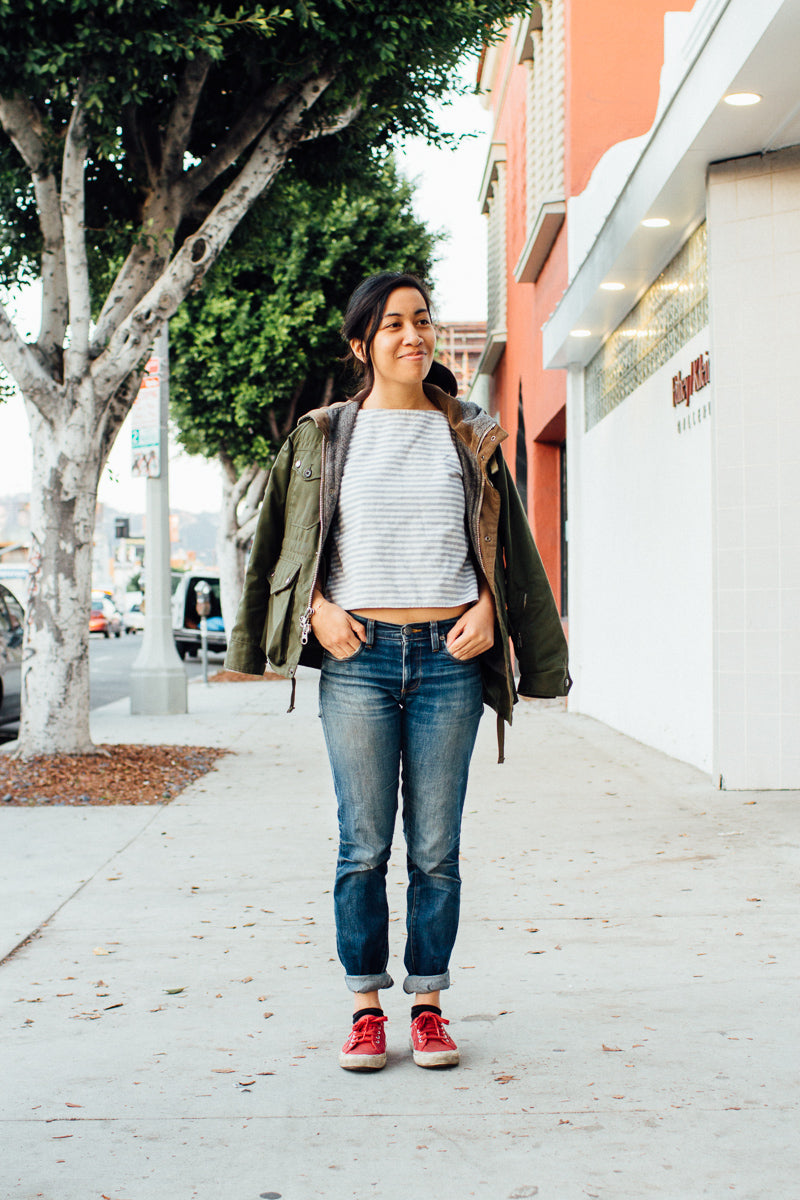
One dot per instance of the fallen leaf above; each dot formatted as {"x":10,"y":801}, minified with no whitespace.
{"x":617,"y":1097}
{"x":100,"y":950}
{"x":504,"y":1078}
{"x":268,"y":1015}
{"x":246,"y":1083}
{"x":613,"y":1049}
{"x":223,"y":1070}
{"x":754,"y":899}
{"x":261,"y":999}
{"x":563,"y":1122}
{"x":68,"y":1105}
{"x":173,"y":991}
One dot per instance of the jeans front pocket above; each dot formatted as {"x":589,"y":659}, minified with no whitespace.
{"x":350,"y":657}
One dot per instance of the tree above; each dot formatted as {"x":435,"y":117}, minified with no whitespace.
{"x":141,"y":132}
{"x":261,"y":343}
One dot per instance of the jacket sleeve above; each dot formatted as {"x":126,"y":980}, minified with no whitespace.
{"x":534,"y":623}
{"x":245,"y":652}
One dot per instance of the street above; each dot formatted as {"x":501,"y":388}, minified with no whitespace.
{"x":110,"y":663}
{"x":111,"y":660}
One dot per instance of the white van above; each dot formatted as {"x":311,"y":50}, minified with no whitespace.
{"x":186,"y":622}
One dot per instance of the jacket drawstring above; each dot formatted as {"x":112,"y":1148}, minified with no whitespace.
{"x":291,"y":701}
{"x":501,"y":739}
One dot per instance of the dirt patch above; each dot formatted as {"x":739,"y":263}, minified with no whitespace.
{"x":239,"y":677}
{"x":118,"y":774}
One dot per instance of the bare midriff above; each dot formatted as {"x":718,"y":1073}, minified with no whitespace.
{"x":410,"y":616}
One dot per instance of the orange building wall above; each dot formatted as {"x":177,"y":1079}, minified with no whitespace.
{"x":612,"y":72}
{"x":614,"y":55}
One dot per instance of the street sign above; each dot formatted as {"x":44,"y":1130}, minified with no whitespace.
{"x":146,"y":412}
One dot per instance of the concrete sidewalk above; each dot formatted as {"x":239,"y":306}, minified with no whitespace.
{"x":624,"y":998}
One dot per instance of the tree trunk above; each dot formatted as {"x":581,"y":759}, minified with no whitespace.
{"x":231,"y":557}
{"x":55,"y":679}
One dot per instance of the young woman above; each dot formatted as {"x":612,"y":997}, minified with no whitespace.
{"x":393,"y":552}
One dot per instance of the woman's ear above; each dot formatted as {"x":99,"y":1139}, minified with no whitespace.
{"x":357,"y":346}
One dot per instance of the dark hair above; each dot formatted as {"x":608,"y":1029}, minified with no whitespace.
{"x":442,"y":377}
{"x":365,"y":309}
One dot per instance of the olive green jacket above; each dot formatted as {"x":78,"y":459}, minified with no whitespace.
{"x":296,"y":518}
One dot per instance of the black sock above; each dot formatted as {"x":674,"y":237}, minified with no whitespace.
{"x":416,"y":1009}
{"x":367,"y":1012}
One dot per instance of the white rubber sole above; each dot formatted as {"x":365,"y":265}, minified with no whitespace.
{"x":436,"y":1058}
{"x":362,"y":1062}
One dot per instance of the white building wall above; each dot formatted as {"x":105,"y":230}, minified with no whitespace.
{"x":754,"y":284}
{"x":640,"y":564}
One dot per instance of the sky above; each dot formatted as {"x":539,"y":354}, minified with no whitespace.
{"x":446,"y":190}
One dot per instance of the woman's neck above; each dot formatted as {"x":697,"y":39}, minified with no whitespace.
{"x":387,"y":395}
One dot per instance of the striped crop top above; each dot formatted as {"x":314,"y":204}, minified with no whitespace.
{"x":399,"y":536}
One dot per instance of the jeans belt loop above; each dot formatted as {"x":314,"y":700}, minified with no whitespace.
{"x":434,"y":636}
{"x":370,"y":641}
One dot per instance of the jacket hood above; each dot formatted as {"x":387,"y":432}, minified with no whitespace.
{"x":467,"y":420}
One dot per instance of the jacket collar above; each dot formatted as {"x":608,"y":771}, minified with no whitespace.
{"x":469,"y":422}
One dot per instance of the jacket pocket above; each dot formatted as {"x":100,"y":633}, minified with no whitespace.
{"x":283,"y":585}
{"x":302,"y":506}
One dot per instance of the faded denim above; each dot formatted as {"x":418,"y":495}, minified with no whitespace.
{"x":401,"y":705}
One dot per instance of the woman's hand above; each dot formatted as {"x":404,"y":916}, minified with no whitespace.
{"x":473,"y":632}
{"x":334,"y":628}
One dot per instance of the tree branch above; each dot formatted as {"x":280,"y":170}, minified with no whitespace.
{"x":255,"y":493}
{"x":22,"y":122}
{"x":198,"y":253}
{"x":226,"y":462}
{"x":246,"y":531}
{"x":344,"y":118}
{"x":24,"y":367}
{"x":163,"y":209}
{"x":114,"y":415}
{"x":244,"y":132}
{"x":77,"y":265}
{"x":179,"y":126}
{"x":288,"y":424}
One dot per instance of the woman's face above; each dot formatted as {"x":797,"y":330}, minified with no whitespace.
{"x":403,"y":346}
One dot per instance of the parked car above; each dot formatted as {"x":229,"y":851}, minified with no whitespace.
{"x":12,"y":625}
{"x":133,"y":618}
{"x":104,"y":616}
{"x":186,"y":622}
{"x":15,"y":578}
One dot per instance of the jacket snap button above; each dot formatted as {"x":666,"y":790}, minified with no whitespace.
{"x":307,"y":472}
{"x":493,"y":438}
{"x":487,"y":538}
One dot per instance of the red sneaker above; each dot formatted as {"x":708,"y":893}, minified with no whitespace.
{"x":365,"y":1049}
{"x":431,"y":1043}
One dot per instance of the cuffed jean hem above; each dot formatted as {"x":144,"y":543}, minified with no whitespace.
{"x":368,"y":983}
{"x":426,"y":983}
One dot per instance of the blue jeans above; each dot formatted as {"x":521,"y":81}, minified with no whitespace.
{"x":401,"y":702}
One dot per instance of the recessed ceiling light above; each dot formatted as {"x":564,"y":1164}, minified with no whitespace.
{"x":581,"y":333}
{"x":612,"y":287}
{"x":655,"y":222}
{"x":742,"y":99}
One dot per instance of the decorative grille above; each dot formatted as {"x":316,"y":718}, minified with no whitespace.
{"x":671,"y":311}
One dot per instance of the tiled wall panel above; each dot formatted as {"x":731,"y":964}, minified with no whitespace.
{"x":754,"y":288}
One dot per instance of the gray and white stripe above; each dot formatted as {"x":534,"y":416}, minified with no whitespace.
{"x":399,"y":538}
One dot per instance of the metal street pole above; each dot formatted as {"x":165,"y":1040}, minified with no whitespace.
{"x":158,"y":678}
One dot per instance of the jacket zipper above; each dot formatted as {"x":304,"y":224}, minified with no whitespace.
{"x":305,"y":620}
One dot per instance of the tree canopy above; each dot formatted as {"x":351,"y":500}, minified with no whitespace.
{"x":136,"y":135}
